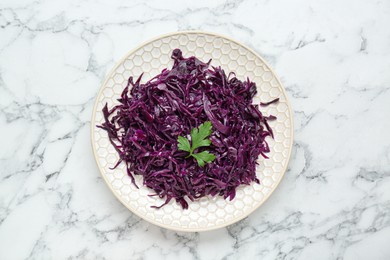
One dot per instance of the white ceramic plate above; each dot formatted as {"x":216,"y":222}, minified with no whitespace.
{"x":207,"y":213}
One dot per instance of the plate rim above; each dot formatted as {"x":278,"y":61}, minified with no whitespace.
{"x":94,"y":109}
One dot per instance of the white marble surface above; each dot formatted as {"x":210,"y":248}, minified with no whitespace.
{"x":333,"y":58}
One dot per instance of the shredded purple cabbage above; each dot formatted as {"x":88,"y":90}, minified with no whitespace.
{"x":264,"y":104}
{"x":146,"y":123}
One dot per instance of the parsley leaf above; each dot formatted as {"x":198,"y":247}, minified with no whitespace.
{"x":203,"y":157}
{"x":198,"y":139}
{"x":184,"y":144}
{"x":199,"y":134}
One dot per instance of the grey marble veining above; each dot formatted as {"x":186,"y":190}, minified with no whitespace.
{"x":333,"y":58}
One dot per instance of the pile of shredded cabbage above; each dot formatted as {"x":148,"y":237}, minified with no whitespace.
{"x":145,"y":124}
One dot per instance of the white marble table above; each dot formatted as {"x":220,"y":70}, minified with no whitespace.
{"x":333,"y":57}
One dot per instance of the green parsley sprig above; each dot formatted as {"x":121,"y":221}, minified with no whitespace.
{"x":198,"y":139}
